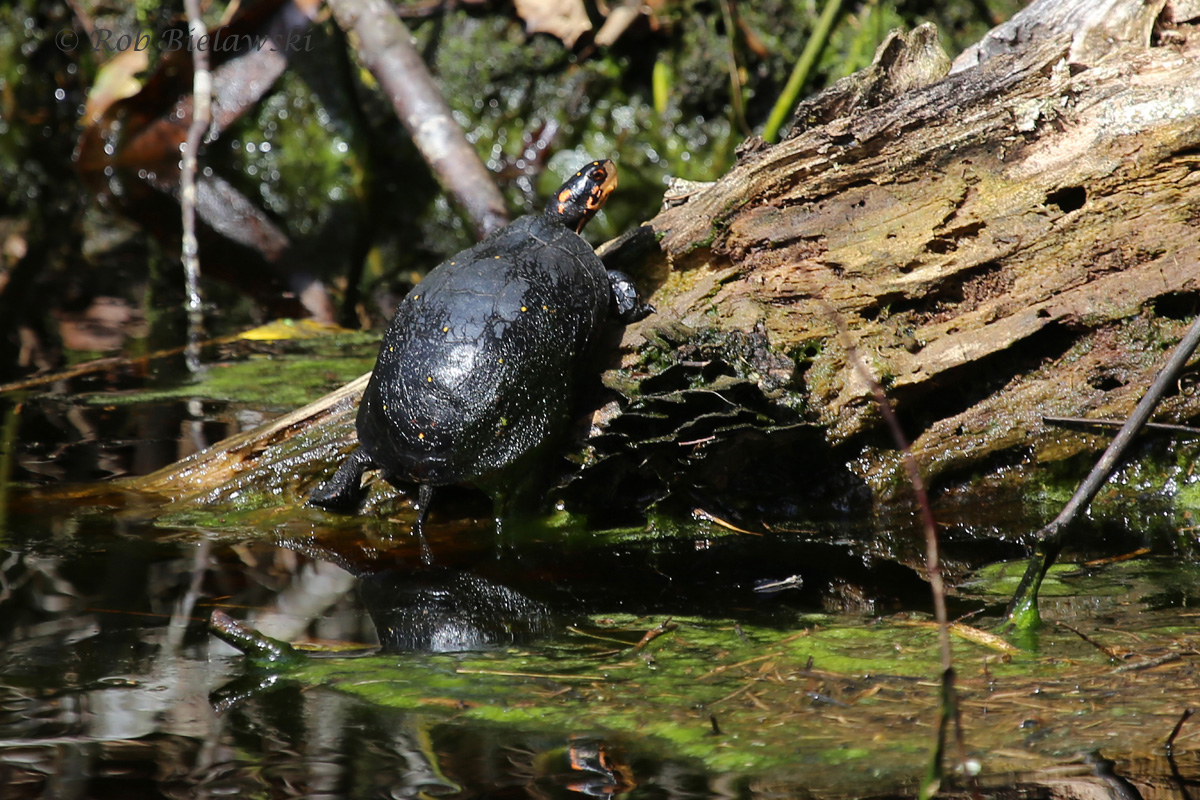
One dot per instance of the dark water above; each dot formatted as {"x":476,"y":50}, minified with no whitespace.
{"x":108,"y":672}
{"x":112,"y":686}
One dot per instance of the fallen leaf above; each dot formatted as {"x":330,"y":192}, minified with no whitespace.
{"x":566,"y":19}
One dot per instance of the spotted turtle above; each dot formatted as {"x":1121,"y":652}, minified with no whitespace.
{"x":478,"y":368}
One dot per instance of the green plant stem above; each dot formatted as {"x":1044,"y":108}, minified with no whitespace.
{"x":802,"y":70}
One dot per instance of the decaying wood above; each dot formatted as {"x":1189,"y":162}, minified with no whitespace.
{"x":271,"y":458}
{"x":1015,"y":239}
{"x":995,"y":241}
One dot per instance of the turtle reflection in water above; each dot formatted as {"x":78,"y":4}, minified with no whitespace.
{"x":477,"y":371}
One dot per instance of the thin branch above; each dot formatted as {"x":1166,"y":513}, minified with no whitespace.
{"x":948,"y":707}
{"x":202,"y":84}
{"x":1022,"y":610}
{"x":1169,"y":746}
{"x":932,"y":562}
{"x":386,"y":48}
{"x":658,"y":630}
{"x":1186,"y":430}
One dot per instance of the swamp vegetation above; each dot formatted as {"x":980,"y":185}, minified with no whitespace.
{"x":725,"y":593}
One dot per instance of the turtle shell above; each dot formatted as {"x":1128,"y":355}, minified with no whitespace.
{"x":480,"y":361}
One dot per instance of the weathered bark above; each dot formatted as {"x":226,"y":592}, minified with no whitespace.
{"x":1001,"y":244}
{"x":1013,"y":240}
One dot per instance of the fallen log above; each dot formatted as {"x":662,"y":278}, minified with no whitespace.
{"x":1013,"y":239}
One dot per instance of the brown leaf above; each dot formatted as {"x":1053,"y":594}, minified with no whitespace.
{"x":566,"y":19}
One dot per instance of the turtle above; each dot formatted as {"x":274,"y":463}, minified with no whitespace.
{"x":478,"y":370}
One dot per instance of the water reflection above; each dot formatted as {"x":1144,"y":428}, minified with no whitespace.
{"x":111,"y":686}
{"x":106,"y":675}
{"x":442,"y":610}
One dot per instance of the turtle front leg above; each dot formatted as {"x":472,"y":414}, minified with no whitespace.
{"x":343,"y":491}
{"x":626,"y":299}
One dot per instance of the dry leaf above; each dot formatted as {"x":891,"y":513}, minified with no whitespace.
{"x":566,"y":19}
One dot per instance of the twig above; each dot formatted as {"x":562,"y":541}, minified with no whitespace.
{"x":590,"y":635}
{"x":202,"y":85}
{"x":385,"y":47}
{"x":804,"y":67}
{"x":948,"y":709}
{"x":970,"y":634}
{"x":1170,"y":743}
{"x":1022,"y":610}
{"x":108,"y":362}
{"x":1104,"y":562}
{"x":666,"y":626}
{"x":727,"y":667}
{"x":700,"y":513}
{"x":1149,"y":663}
{"x":1187,"y":430}
{"x":549,"y":675}
{"x":932,"y":563}
{"x":1103,"y":648}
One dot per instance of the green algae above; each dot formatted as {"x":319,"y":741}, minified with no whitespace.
{"x":742,"y":699}
{"x":279,"y":376}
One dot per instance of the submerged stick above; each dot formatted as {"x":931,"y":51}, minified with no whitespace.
{"x":385,"y":46}
{"x":1022,"y":610}
{"x":1169,"y":746}
{"x":249,"y":641}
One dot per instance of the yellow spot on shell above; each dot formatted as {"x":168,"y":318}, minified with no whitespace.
{"x":523,"y":308}
{"x":500,"y":360}
{"x":420,"y":436}
{"x":446,"y":329}
{"x":429,"y":379}
{"x":545,"y":309}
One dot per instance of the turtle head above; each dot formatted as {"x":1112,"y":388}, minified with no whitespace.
{"x":578,"y":200}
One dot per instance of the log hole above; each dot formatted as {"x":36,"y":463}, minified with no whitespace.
{"x":948,"y":241}
{"x":1067,"y":199}
{"x":1179,"y":306}
{"x":1104,"y":382}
